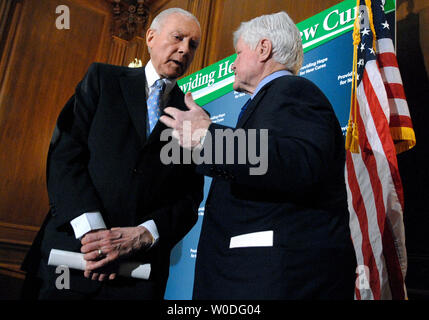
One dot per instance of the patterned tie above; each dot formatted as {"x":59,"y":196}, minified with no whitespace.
{"x":153,"y":104}
{"x":243,"y":108}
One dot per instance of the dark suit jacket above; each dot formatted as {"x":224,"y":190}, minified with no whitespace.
{"x":101,"y":160}
{"x":301,"y":198}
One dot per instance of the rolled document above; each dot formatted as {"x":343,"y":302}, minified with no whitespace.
{"x":75,"y":260}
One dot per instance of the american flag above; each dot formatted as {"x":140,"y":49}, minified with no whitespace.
{"x":379,"y":127}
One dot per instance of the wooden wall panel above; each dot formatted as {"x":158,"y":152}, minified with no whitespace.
{"x":41,"y":66}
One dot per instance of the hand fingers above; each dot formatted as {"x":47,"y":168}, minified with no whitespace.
{"x":91,"y":237}
{"x":95,"y":236}
{"x":189,"y":101}
{"x":94,"y":255}
{"x":99,"y":276}
{"x":93,"y":265}
{"x":172,"y":112}
{"x":91,"y":247}
{"x":169,"y":122}
{"x":176,"y":134}
{"x":94,"y":241}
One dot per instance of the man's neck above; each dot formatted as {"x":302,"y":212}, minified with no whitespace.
{"x":271,"y":67}
{"x":152,"y":76}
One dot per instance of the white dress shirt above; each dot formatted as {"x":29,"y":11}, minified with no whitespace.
{"x":89,"y":221}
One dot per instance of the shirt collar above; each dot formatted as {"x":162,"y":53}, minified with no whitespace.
{"x":270,"y":78}
{"x":152,"y":76}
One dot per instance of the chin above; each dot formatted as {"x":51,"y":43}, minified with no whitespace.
{"x":237,"y":88}
{"x":173,"y":74}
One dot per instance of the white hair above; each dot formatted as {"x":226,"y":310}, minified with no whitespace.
{"x":158,"y":21}
{"x":283,"y":34}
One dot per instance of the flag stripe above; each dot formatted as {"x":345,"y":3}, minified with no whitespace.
{"x":383,"y":133}
{"x":382,"y":191}
{"x":400,"y":121}
{"x":399,"y":107}
{"x":356,"y":234}
{"x":395,"y":90}
{"x":373,"y":168}
{"x":391,"y":74}
{"x":358,"y":206}
{"x":395,"y":278}
{"x":387,"y":60}
{"x":385,"y":45}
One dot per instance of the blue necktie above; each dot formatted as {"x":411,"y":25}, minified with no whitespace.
{"x":153,"y":104}
{"x":243,"y":108}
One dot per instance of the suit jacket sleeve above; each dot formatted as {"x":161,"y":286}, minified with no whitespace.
{"x":70,"y":189}
{"x":301,"y":145}
{"x":176,"y":219}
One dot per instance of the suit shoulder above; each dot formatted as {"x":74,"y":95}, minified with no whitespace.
{"x":294,"y":81}
{"x":297,"y":86}
{"x":113,"y":70}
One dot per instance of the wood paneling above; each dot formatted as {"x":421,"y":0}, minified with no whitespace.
{"x":14,"y":243}
{"x":44,"y":67}
{"x":40,"y":67}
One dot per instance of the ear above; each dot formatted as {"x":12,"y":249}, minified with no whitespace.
{"x":150,"y":35}
{"x":265,"y":49}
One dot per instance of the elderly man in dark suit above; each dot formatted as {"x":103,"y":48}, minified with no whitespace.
{"x":280,"y":232}
{"x":110,"y":195}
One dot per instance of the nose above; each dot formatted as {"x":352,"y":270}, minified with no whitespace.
{"x":184,"y":47}
{"x":233,"y":66}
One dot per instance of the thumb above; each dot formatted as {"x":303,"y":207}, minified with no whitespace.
{"x":189,"y":101}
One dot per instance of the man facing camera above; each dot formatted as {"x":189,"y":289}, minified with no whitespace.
{"x":110,"y":196}
{"x":283,"y":232}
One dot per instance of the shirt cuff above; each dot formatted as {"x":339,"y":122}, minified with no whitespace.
{"x":153,"y":230}
{"x":87,"y":222}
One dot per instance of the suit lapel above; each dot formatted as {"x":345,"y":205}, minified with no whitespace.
{"x":250,"y":109}
{"x":176,"y":99}
{"x":133,"y":88}
{"x":253,"y":104}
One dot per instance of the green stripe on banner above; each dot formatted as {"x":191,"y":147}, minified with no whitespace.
{"x":211,"y":82}
{"x":214,"y":81}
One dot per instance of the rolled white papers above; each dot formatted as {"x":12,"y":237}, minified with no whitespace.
{"x":75,"y":260}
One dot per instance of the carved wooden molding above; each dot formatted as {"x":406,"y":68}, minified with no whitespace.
{"x":129,"y":18}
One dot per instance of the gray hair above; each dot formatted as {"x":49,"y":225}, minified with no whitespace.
{"x":158,"y":21}
{"x":283,"y":34}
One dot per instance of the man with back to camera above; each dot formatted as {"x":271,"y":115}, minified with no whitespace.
{"x":282,"y":233}
{"x":110,"y":196}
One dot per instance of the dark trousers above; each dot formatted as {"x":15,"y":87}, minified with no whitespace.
{"x":43,"y":287}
